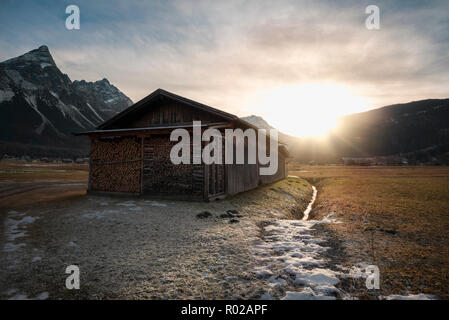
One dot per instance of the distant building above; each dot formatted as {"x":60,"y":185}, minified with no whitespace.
{"x":348,"y":161}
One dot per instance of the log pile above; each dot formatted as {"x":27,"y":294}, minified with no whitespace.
{"x":116,"y":165}
{"x":115,"y":149}
{"x":162,"y":176}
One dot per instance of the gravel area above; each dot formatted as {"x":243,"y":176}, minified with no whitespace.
{"x":136,"y":248}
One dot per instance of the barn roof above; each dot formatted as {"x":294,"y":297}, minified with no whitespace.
{"x":145,"y":102}
{"x":163,"y":93}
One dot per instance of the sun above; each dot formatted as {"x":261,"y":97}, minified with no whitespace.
{"x":310,"y":109}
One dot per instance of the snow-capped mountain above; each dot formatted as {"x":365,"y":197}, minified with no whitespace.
{"x":40,"y":106}
{"x":106,"y":98}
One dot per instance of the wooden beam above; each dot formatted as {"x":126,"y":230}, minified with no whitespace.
{"x":206,"y":182}
{"x":90,"y":166}
{"x":141,"y":166}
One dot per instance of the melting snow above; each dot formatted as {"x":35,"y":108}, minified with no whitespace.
{"x":127,"y":204}
{"x":306,"y":294}
{"x":290,"y":243}
{"x":16,"y":228}
{"x":99,"y":214}
{"x":156,"y":204}
{"x":290,"y":258}
{"x":41,"y":296}
{"x":309,"y":207}
{"x":420,"y":296}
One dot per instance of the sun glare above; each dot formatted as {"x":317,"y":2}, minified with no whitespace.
{"x":310,"y":109}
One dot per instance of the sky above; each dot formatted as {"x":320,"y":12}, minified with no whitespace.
{"x":298,"y":64}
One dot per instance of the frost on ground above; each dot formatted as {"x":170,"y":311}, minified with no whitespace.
{"x":144,"y":249}
{"x":41,"y":296}
{"x":138,"y":248}
{"x":420,"y":296}
{"x":15,"y":229}
{"x":290,"y":261}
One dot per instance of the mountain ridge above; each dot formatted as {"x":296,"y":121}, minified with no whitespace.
{"x":415,"y":132}
{"x":40,"y":106}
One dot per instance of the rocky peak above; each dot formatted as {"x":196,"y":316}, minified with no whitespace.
{"x":109,"y":99}
{"x":41,"y":105}
{"x":257,"y":121}
{"x":41,"y":56}
{"x":103,"y":81}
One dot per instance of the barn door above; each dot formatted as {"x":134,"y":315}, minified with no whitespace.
{"x":216,"y":179}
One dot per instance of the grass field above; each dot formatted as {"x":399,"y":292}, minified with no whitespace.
{"x":394,"y":217}
{"x":26,"y":184}
{"x":21,"y":170}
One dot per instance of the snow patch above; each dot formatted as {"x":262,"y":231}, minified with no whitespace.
{"x":309,"y":207}
{"x":290,"y":244}
{"x":44,"y":65}
{"x":127,"y":204}
{"x":15,"y":229}
{"x":41,"y":296}
{"x":111,"y":100}
{"x":420,"y":296}
{"x":306,"y":294}
{"x":99,"y":214}
{"x":95,"y":112}
{"x":156,"y":204}
{"x":19,"y":81}
{"x":54,"y":94}
{"x":262,"y":272}
{"x":6,"y":95}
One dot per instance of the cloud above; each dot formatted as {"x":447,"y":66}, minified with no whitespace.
{"x":224,"y":53}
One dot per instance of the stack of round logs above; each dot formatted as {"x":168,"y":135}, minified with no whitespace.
{"x":116,"y":164}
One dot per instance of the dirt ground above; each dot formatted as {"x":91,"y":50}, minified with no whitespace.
{"x":394,"y":217}
{"x":134,"y":248}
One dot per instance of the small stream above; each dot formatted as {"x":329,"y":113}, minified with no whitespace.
{"x":309,"y":207}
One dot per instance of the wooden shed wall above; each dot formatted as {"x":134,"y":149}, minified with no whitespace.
{"x":162,"y":177}
{"x":241,"y":177}
{"x":244,"y":177}
{"x":280,"y":174}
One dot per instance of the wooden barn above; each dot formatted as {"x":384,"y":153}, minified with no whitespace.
{"x":130,"y":153}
